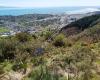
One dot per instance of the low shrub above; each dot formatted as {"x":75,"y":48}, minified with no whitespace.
{"x":43,"y":74}
{"x":34,"y":36}
{"x":20,"y":66}
{"x":59,"y":40}
{"x":1,"y":70}
{"x":48,"y":35}
{"x":23,"y":37}
{"x":38,"y":61}
{"x":8,"y":48}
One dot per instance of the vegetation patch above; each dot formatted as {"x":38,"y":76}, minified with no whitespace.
{"x":3,"y":30}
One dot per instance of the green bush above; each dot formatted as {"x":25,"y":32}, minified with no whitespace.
{"x":38,"y":61}
{"x":34,"y":36}
{"x":23,"y":37}
{"x":1,"y":70}
{"x":59,"y":40}
{"x":48,"y":35}
{"x":7,"y":48}
{"x":19,"y":66}
{"x":43,"y":74}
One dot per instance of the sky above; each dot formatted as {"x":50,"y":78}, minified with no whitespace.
{"x":48,"y":3}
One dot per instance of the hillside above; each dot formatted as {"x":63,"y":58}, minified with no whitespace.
{"x":80,"y":25}
{"x":48,"y":55}
{"x":90,"y":35}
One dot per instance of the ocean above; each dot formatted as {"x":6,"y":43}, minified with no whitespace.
{"x":52,"y":10}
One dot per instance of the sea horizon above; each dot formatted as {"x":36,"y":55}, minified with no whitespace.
{"x":15,"y":11}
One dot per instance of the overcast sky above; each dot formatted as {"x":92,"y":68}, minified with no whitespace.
{"x":48,"y":3}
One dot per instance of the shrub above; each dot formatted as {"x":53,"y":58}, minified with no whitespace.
{"x":7,"y":48}
{"x":23,"y":37}
{"x":38,"y":61}
{"x":20,"y":66}
{"x":1,"y":70}
{"x":59,"y":40}
{"x":48,"y":35}
{"x":26,"y":47}
{"x":43,"y":74}
{"x":34,"y":36}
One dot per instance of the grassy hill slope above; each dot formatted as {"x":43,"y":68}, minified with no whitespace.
{"x":80,"y":25}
